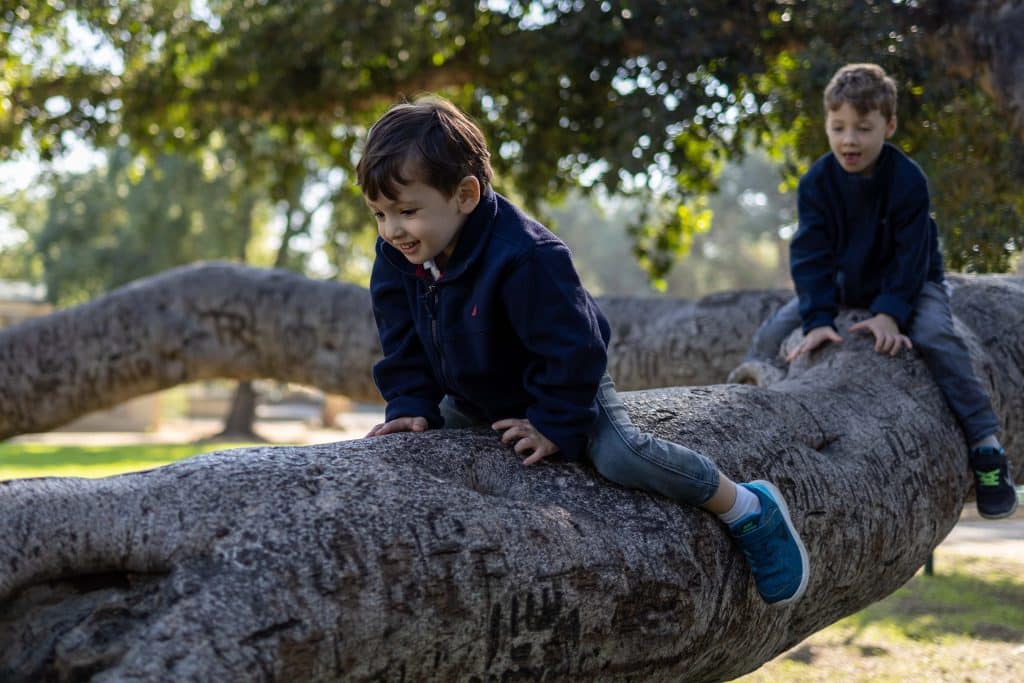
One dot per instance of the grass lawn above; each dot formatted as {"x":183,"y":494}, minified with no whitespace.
{"x":966,"y":623}
{"x":20,"y":460}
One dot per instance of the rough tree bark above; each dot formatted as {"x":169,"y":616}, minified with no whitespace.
{"x":231,"y":321}
{"x":436,"y":555}
{"x":985,"y":39}
{"x":191,"y":323}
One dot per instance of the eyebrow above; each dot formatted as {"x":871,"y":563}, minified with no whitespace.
{"x":394,"y":203}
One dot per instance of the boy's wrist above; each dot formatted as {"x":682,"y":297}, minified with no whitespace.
{"x":818,"y":322}
{"x":892,"y":306}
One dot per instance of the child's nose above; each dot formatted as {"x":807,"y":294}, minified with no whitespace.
{"x":391,"y":229}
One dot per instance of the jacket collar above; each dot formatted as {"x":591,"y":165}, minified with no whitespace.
{"x":882,"y":164}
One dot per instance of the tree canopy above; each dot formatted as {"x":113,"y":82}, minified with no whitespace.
{"x":647,"y":97}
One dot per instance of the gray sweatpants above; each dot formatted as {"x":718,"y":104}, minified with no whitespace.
{"x":941,"y":348}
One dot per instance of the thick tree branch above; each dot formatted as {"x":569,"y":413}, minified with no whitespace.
{"x":191,"y":323}
{"x":232,"y":321}
{"x":437,"y":556}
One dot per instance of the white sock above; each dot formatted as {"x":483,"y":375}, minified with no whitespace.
{"x":987,"y":441}
{"x":746,"y":504}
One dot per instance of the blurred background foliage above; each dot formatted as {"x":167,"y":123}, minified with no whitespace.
{"x":662,"y":139}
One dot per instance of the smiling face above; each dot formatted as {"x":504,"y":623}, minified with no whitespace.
{"x":421,"y":222}
{"x":856,"y":139}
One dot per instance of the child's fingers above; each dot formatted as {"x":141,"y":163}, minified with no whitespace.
{"x":896,"y":345}
{"x":374,"y":431}
{"x":506,"y":423}
{"x":816,"y":338}
{"x":514,"y":433}
{"x":389,"y":428}
{"x":524,"y":445}
{"x":803,"y":347}
{"x":807,"y":345}
{"x":535,"y":458}
{"x":401,"y":424}
{"x":539,"y":453}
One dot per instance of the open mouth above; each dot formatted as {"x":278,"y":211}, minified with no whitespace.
{"x":407,"y":247}
{"x":851,"y":158}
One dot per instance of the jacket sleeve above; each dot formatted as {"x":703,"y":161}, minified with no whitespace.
{"x":812,"y":261}
{"x":404,"y":376}
{"x":565,"y":334}
{"x":905,"y":275}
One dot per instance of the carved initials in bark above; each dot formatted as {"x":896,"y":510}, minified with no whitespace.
{"x":437,"y":556}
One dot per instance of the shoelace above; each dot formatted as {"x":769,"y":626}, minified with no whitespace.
{"x":988,"y":478}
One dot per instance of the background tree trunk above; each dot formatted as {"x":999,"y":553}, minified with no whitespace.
{"x":437,"y":555}
{"x":231,"y":321}
{"x":241,"y":418}
{"x":988,"y":41}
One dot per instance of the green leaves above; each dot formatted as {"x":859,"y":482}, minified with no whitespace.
{"x":623,"y":94}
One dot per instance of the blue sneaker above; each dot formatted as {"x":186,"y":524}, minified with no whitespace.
{"x":995,"y":494}
{"x":772,"y":546}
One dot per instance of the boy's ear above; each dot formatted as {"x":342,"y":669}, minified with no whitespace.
{"x":467,"y":193}
{"x":890,"y":127}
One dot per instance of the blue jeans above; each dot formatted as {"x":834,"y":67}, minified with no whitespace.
{"x":932,"y":333}
{"x":627,"y":456}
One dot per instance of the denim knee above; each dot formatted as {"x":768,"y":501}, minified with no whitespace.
{"x":454,"y":418}
{"x":636,"y":459}
{"x":769,"y":337}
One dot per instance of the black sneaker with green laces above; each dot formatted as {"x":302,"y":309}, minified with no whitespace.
{"x":993,"y":486}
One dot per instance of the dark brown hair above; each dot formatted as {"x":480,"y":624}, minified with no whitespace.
{"x":429,"y":140}
{"x":865,"y":87}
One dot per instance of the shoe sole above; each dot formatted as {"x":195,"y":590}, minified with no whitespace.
{"x":1002,"y":515}
{"x":780,"y":500}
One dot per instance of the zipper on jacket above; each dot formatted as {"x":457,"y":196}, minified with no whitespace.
{"x":432,"y":298}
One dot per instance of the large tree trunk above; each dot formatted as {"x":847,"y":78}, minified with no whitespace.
{"x":227,"y":320}
{"x":437,"y":556}
{"x":985,"y":38}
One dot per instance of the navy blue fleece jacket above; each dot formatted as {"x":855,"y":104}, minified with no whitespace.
{"x":508,"y":330}
{"x":865,"y":242}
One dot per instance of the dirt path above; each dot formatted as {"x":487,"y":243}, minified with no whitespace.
{"x":973,"y":535}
